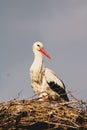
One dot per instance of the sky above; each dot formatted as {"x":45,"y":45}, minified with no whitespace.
{"x":61,"y":25}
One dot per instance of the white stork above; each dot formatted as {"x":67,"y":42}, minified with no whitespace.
{"x":44,"y":81}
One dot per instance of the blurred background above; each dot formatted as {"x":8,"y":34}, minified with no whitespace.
{"x":62,"y":27}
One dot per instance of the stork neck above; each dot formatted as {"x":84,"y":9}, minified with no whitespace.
{"x":37,"y":67}
{"x":38,"y":56}
{"x":38,"y":60}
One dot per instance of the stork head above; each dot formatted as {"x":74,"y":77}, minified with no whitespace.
{"x":38,"y":46}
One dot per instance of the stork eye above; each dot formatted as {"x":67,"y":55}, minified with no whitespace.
{"x":38,"y":45}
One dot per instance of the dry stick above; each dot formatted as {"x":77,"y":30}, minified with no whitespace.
{"x":57,"y":124}
{"x":65,"y":119}
{"x":72,"y":95}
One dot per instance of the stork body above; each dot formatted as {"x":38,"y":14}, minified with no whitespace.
{"x":43,"y":80}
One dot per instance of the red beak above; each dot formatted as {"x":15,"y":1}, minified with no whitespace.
{"x":45,"y":53}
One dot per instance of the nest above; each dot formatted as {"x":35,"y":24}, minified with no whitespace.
{"x":33,"y":114}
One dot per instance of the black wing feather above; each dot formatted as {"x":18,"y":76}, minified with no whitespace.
{"x":61,"y":91}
